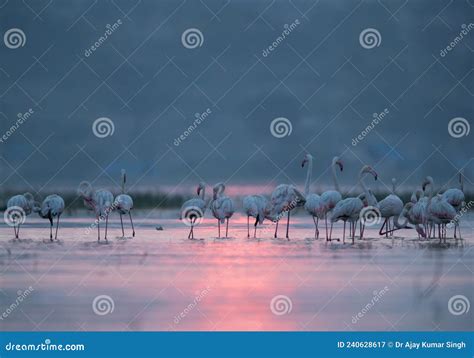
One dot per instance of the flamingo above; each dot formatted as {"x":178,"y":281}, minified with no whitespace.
{"x":100,"y":201}
{"x":350,"y":208}
{"x":194,"y":209}
{"x":254,"y":206}
{"x":20,"y":206}
{"x":439,"y":211}
{"x":124,"y":204}
{"x":314,"y":204}
{"x":331,"y":197}
{"x":390,"y":207}
{"x":456,"y":198}
{"x":285,"y":198}
{"x":51,"y":207}
{"x":222,"y":207}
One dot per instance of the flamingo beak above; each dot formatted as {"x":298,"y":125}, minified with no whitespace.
{"x":341,"y":166}
{"x":198,"y":190}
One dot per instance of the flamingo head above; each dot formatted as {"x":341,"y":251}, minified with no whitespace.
{"x":307,"y":158}
{"x":337,"y":161}
{"x":428,"y":181}
{"x":370,"y":170}
{"x":200,"y":187}
{"x":85,"y":189}
{"x":218,"y":189}
{"x":30,"y":198}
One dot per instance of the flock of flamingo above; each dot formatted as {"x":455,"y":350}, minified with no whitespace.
{"x":424,"y":211}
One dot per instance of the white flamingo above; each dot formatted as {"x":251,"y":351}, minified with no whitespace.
{"x":439,"y":211}
{"x":222,"y":207}
{"x":254,"y":206}
{"x":194,"y":209}
{"x":390,"y":207}
{"x":285,"y":198}
{"x":349,"y":209}
{"x":51,"y":207}
{"x":456,"y":198}
{"x":314,"y":204}
{"x":20,"y":206}
{"x":124,"y":204}
{"x":331,"y":197}
{"x":100,"y":201}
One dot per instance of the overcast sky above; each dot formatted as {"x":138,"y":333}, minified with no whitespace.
{"x":320,"y":77}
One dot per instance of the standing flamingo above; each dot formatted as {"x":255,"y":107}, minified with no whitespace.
{"x":314,"y":204}
{"x":222,"y":207}
{"x":350,"y":208}
{"x":456,"y":198}
{"x":439,"y":211}
{"x":194,"y":209}
{"x":254,"y":206}
{"x":100,"y":201}
{"x":51,"y":207}
{"x":124,"y":204}
{"x":390,"y":207}
{"x":18,"y":207}
{"x":331,"y":197}
{"x":285,"y":198}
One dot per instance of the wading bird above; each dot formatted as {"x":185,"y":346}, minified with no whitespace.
{"x":124,"y":204}
{"x":254,"y":206}
{"x":18,"y":207}
{"x":51,"y":207}
{"x":348,"y":210}
{"x":456,"y":198}
{"x":222,"y":207}
{"x":390,"y":207}
{"x":194,"y":209}
{"x":314,"y":204}
{"x":100,"y":201}
{"x":331,"y":197}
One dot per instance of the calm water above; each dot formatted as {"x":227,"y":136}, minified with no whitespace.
{"x":159,"y":280}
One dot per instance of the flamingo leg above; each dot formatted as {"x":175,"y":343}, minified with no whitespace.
{"x":106,"y":224}
{"x":131,"y":222}
{"x":98,"y":229}
{"x":57,"y":226}
{"x":344,"y":234}
{"x":248,"y":226}
{"x":18,"y":231}
{"x":353,"y":231}
{"x":255,"y":228}
{"x":121,"y":223}
{"x":288,"y":226}
{"x":315,"y":228}
{"x":330,"y":232}
{"x":326,"y":222}
{"x":276,"y":230}
{"x":219,"y":227}
{"x":227,"y":228}
{"x":51,"y":230}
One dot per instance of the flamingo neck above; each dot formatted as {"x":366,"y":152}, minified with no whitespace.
{"x":393,"y":186}
{"x":334,"y":177}
{"x":308,"y":176}
{"x":362,"y":184}
{"x":203,"y":194}
{"x":461,"y":181}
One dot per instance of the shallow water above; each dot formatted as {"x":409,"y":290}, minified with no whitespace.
{"x":160,"y":280}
